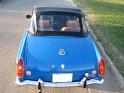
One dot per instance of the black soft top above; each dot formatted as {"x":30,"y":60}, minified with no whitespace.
{"x":75,"y":10}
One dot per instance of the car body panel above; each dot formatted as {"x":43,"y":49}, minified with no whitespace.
{"x":22,"y":47}
{"x":46,"y":55}
{"x":42,"y":56}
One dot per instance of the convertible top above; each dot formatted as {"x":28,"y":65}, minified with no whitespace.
{"x":75,"y":10}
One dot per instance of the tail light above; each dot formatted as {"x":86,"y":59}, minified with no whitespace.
{"x":102,"y":67}
{"x":20,"y":68}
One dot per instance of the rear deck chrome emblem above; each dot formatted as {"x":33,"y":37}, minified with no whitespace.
{"x":61,"y":52}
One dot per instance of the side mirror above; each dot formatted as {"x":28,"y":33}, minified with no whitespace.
{"x":28,"y":16}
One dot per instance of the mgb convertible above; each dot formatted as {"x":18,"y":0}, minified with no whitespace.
{"x":56,"y":50}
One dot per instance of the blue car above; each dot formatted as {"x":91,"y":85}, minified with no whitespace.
{"x":57,"y":51}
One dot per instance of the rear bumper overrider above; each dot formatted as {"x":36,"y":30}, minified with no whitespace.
{"x":65,"y":84}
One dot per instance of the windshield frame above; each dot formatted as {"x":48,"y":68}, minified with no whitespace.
{"x":59,"y":33}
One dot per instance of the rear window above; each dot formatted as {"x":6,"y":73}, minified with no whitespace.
{"x":60,"y":23}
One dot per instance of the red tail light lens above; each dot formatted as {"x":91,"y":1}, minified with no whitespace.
{"x":20,"y":68}
{"x":102,"y":67}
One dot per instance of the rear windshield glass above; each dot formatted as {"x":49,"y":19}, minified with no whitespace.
{"x":62,"y":23}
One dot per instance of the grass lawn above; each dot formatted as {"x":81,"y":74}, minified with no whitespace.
{"x":106,"y":17}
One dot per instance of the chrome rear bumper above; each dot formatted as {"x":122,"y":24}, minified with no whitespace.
{"x":65,"y":84}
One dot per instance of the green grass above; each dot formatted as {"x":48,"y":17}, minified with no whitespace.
{"x":108,"y":25}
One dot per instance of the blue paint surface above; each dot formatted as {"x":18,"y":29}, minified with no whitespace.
{"x":41,"y":56}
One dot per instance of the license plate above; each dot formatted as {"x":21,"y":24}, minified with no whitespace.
{"x":65,"y":77}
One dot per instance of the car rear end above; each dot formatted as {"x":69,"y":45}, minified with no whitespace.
{"x":60,"y":61}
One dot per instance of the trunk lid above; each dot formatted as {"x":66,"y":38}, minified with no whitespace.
{"x":60,"y":53}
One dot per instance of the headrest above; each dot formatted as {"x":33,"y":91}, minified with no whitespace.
{"x":72,"y":23}
{"x":44,"y":23}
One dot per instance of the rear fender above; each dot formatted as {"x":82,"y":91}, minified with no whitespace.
{"x":22,"y":48}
